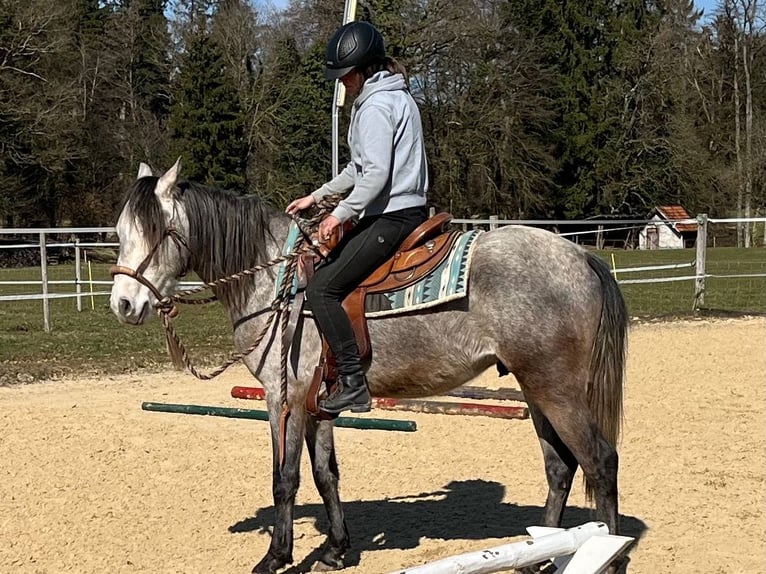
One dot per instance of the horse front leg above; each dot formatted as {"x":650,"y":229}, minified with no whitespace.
{"x":324,"y":465}
{"x":285,"y":482}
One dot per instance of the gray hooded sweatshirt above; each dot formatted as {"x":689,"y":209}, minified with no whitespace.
{"x":388,"y":169}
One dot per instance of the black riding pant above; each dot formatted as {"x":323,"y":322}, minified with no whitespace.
{"x":362,"y":250}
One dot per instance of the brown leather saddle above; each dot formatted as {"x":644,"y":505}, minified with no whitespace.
{"x":422,"y":251}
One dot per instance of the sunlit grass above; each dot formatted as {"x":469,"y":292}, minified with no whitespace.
{"x":722,"y":293}
{"x":92,"y":341}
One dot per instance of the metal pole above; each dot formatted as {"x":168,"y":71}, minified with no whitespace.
{"x":77,"y":273}
{"x":44,"y":279}
{"x":467,"y":392}
{"x":339,"y":96}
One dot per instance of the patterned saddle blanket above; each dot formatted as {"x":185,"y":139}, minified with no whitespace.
{"x":446,"y":282}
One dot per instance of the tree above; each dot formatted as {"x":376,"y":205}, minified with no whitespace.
{"x":742,"y":16}
{"x":301,"y":107}
{"x":206,"y":120}
{"x":127,"y":105}
{"x":39,"y":109}
{"x":139,"y":44}
{"x":485,"y":112}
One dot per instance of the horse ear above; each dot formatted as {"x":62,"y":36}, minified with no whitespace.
{"x":144,"y":171}
{"x":167,"y":182}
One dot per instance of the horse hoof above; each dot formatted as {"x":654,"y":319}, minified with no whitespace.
{"x":619,"y":566}
{"x":269,"y":565}
{"x":542,"y":568}
{"x":327,"y":566}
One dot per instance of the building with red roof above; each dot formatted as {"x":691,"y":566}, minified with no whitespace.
{"x":670,"y":227}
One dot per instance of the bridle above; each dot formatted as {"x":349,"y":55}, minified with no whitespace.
{"x":138,"y":272}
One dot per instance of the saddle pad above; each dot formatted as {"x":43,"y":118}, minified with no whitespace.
{"x":447,"y":282}
{"x":292,"y":236}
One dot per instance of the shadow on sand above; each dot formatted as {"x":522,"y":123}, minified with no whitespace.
{"x":463,"y":510}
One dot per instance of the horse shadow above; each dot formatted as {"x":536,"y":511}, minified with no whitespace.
{"x":462,"y":510}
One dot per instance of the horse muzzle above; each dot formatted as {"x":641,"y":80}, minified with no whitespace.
{"x":130,"y":310}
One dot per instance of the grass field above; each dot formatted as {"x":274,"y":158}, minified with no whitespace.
{"x":93,"y":342}
{"x":723,"y":294}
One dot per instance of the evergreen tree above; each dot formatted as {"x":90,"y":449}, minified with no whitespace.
{"x":668,"y":144}
{"x":630,"y":172}
{"x":302,"y":121}
{"x":206,"y":120}
{"x":91,"y":174}
{"x":483,"y":102}
{"x":599,"y":51}
{"x":139,"y":47}
{"x":150,"y":65}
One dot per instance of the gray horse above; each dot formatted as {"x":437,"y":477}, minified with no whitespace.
{"x":538,"y":306}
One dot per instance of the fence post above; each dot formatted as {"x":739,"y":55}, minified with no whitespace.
{"x":77,"y":273}
{"x":699,"y":282}
{"x":44,"y":279}
{"x":492,"y":222}
{"x":600,"y":237}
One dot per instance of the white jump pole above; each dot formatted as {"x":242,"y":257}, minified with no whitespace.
{"x":547,"y":544}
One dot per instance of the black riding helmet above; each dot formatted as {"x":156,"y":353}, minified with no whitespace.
{"x":354,"y":45}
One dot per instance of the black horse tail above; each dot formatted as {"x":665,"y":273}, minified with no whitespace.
{"x":608,"y":357}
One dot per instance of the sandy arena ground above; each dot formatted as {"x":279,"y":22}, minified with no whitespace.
{"x":89,"y":483}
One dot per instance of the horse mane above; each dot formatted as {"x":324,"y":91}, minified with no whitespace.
{"x":141,"y":202}
{"x":227,"y":233}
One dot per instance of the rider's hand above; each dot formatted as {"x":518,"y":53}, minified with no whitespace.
{"x":300,"y":204}
{"x":326,"y":227}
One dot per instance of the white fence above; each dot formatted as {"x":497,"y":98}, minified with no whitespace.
{"x":87,"y":288}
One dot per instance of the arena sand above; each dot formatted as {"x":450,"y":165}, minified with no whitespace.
{"x":89,"y":483}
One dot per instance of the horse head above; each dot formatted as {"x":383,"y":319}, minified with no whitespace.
{"x":151,"y":228}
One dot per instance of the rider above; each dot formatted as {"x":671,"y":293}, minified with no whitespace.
{"x":386,"y":181}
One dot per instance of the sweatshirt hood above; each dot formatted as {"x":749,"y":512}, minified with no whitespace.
{"x":383,"y":81}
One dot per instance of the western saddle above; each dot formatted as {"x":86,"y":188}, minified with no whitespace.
{"x":422,"y":251}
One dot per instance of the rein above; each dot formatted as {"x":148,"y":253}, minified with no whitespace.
{"x":166,"y":304}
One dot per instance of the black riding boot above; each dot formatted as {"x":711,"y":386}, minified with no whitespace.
{"x":351,"y":392}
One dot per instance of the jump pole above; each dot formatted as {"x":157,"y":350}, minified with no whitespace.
{"x":483,"y":393}
{"x":451,"y":408}
{"x":585,"y":549}
{"x":234,"y":413}
{"x":417,"y":406}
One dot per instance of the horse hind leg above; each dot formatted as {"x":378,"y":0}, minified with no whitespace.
{"x":569,"y":416}
{"x":599,"y":461}
{"x":560,"y":467}
{"x":324,"y":466}
{"x":572,"y":422}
